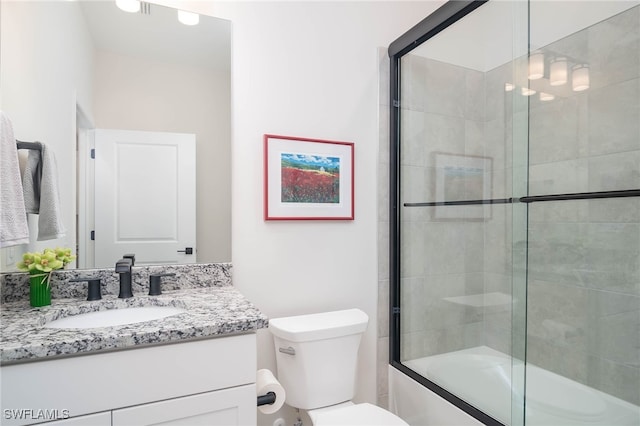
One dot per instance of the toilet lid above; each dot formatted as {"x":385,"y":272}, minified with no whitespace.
{"x":357,"y":415}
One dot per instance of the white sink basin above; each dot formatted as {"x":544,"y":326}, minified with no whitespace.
{"x":113,"y":317}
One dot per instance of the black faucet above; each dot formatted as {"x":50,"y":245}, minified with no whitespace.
{"x":123,"y":267}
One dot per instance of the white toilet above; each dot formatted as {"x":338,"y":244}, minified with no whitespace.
{"x":317,"y":356}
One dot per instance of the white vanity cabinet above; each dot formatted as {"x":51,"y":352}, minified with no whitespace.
{"x":208,"y":381}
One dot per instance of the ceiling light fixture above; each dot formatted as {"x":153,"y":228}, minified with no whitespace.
{"x":132,"y":6}
{"x":536,"y":66}
{"x":188,"y":18}
{"x":558,"y":72}
{"x":508,"y":87}
{"x":580,"y":78}
{"x":528,"y":92}
{"x":546,"y":97}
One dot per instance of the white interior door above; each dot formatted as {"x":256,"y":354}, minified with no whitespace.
{"x":145,"y":202}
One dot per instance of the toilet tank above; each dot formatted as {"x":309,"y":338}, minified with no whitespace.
{"x":317,"y":356}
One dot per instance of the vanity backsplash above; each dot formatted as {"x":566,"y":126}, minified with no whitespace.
{"x":14,"y":286}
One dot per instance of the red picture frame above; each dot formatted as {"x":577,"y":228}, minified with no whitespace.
{"x":308,"y":179}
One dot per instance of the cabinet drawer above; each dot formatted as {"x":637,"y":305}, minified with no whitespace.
{"x":228,"y":407}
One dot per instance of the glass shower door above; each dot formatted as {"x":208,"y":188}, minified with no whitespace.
{"x":459,"y":119}
{"x":516,"y":211}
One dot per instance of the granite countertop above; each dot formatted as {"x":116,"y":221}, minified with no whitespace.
{"x":211,"y":312}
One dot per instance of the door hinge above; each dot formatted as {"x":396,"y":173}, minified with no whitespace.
{"x":93,"y":235}
{"x":93,"y":153}
{"x":396,"y":310}
{"x":396,"y":103}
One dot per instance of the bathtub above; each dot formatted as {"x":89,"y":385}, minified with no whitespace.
{"x":482,"y":377}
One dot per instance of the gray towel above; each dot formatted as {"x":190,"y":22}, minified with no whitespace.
{"x":41,"y":197}
{"x":13,"y":217}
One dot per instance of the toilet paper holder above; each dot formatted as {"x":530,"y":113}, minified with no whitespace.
{"x":266,"y":399}
{"x":270,"y":393}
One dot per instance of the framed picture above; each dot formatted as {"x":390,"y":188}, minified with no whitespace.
{"x":307,"y":179}
{"x":462,"y":178}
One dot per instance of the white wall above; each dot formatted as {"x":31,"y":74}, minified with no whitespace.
{"x":309,"y":69}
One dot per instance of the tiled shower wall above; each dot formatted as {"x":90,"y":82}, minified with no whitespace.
{"x":383,"y":229}
{"x":583,"y":295}
{"x":446,"y":258}
{"x":584,"y":256}
{"x":442,"y":257}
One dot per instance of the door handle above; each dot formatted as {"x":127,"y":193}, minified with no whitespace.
{"x":187,"y":250}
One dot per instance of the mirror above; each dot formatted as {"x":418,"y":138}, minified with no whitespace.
{"x":71,"y":66}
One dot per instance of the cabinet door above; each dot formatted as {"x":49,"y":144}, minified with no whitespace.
{"x":98,"y":419}
{"x":234,"y":406}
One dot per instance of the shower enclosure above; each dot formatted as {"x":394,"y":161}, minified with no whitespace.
{"x":515,"y":210}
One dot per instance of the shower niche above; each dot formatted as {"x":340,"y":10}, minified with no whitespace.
{"x":515,"y":210}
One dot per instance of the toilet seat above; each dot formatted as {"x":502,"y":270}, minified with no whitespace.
{"x":364,"y":414}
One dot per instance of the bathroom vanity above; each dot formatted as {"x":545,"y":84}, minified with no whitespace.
{"x":198,"y":364}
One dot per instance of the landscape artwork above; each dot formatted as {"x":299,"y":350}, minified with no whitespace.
{"x":309,"y":178}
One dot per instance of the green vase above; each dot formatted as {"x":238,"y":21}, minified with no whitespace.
{"x":39,"y":289}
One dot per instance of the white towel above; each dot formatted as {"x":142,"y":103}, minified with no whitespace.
{"x":13,"y":217}
{"x":41,"y":195}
